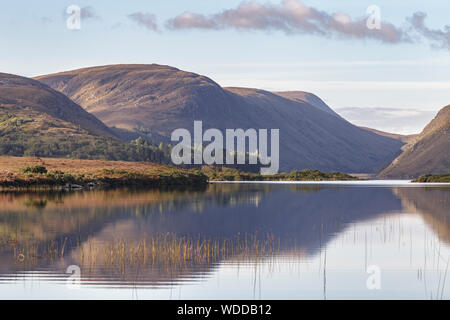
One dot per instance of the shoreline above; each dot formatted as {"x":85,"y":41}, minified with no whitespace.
{"x":20,"y":173}
{"x":402,"y":183}
{"x":151,"y":184}
{"x":56,"y":174}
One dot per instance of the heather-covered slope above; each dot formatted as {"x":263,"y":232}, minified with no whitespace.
{"x":20,"y":95}
{"x":428,"y":153}
{"x":36,"y":120}
{"x":155,"y":100}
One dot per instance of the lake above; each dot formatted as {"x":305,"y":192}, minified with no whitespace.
{"x":358,"y":240}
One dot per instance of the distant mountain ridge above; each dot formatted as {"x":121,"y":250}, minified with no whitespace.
{"x":155,"y":100}
{"x":428,"y":152}
{"x":401,"y":137}
{"x":307,"y":97}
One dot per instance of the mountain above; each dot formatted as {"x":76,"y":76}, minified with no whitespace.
{"x":155,"y":100}
{"x":36,"y":120}
{"x":429,"y":152}
{"x":21,"y":96}
{"x":315,"y":101}
{"x":306,"y":97}
{"x":402,"y":137}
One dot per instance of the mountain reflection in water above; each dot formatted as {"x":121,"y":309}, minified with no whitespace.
{"x":171,"y":238}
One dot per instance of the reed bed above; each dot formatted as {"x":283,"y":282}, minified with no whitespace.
{"x":163,"y":250}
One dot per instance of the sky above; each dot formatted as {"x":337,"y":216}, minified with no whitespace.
{"x":380,"y":63}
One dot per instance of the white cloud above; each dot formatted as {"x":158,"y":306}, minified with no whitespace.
{"x":401,"y":121}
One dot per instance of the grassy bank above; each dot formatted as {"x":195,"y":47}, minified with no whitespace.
{"x":433,"y":178}
{"x":229,"y":174}
{"x":26,"y":172}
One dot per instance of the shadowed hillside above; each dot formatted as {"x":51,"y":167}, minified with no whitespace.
{"x":155,"y":100}
{"x":429,"y":152}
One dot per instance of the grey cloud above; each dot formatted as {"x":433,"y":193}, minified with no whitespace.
{"x":290,"y":17}
{"x":438,"y":38}
{"x":88,"y":13}
{"x":46,"y":20}
{"x":192,"y":20}
{"x":146,"y":20}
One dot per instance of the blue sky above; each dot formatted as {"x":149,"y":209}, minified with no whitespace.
{"x":390,"y":86}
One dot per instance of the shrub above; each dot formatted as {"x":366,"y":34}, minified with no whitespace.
{"x":35,"y":169}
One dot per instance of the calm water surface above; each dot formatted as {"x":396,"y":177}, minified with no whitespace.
{"x":228,"y":241}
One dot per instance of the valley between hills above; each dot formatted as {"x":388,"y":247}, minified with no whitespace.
{"x":124,"y":115}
